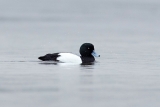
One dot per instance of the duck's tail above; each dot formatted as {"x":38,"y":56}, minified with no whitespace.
{"x":49,"y":57}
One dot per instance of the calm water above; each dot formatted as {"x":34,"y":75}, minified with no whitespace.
{"x":125,"y":33}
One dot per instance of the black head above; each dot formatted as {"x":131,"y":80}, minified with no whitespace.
{"x":87,"y":50}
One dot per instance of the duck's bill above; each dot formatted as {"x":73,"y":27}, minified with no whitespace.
{"x":95,"y":54}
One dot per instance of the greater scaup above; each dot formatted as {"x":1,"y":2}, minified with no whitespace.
{"x":87,"y":55}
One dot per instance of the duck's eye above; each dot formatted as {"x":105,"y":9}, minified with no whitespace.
{"x":88,"y":48}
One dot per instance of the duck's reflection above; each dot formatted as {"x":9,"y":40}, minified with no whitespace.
{"x":49,"y":63}
{"x":59,"y":63}
{"x":84,"y":64}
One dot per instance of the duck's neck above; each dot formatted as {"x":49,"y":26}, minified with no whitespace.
{"x":86,"y":59}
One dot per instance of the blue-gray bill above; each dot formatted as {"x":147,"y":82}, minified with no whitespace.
{"x":95,"y":54}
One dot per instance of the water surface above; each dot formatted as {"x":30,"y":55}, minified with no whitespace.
{"x":125,"y":34}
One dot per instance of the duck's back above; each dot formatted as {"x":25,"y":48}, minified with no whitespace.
{"x":62,"y":57}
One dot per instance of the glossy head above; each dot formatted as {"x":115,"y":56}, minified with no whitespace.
{"x":87,"y":50}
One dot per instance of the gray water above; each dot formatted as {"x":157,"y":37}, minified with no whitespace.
{"x":125,"y":33}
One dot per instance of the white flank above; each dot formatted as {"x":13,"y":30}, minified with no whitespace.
{"x":69,"y":58}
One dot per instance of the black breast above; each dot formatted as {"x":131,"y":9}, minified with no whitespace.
{"x":49,"y":57}
{"x":87,"y":59}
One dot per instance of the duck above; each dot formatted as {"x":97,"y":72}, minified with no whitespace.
{"x":86,"y":51}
